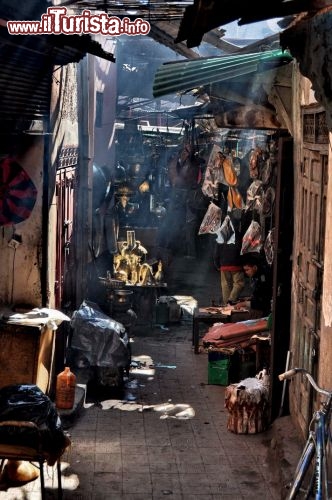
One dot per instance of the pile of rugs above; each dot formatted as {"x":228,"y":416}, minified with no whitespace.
{"x":225,"y":335}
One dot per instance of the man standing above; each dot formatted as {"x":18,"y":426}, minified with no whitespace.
{"x":228,"y":260}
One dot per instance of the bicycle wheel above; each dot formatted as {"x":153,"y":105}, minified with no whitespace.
{"x":303,"y":484}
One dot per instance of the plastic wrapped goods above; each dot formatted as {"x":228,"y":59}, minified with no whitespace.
{"x":29,"y":403}
{"x":211,"y":221}
{"x":103,"y":341}
{"x":252,"y":239}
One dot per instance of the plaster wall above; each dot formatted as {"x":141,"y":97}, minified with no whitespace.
{"x":325,"y":372}
{"x":106,"y":85}
{"x":307,"y":94}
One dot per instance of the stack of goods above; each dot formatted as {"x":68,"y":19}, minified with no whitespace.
{"x":223,"y":335}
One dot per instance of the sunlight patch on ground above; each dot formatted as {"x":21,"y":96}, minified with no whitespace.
{"x":170,"y":410}
{"x":144,"y":365}
{"x":167,"y":410}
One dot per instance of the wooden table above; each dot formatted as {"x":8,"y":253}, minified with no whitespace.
{"x":206,"y":316}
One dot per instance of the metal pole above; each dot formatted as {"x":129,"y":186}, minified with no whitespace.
{"x":284,"y":386}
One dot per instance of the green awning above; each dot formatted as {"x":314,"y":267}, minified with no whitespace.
{"x":186,"y":75}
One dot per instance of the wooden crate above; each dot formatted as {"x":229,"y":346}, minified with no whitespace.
{"x":26,"y":355}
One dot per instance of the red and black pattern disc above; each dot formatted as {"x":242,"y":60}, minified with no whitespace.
{"x":17,"y":193}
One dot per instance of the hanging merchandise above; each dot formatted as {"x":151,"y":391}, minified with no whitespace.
{"x":269,"y":247}
{"x":17,"y":193}
{"x":266,"y":171}
{"x":268,"y":201}
{"x":214,"y":174}
{"x":254,"y":157}
{"x":252,"y":239}
{"x":234,"y":198}
{"x":255,"y":196}
{"x":211,"y":221}
{"x":228,"y":170}
{"x":184,"y":168}
{"x":226,"y":232}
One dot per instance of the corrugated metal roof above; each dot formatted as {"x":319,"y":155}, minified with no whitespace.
{"x":27,"y":63}
{"x":185,"y":75}
{"x":25,"y":85}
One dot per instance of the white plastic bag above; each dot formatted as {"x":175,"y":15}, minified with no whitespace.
{"x":226,"y":232}
{"x":252,"y":239}
{"x":211,"y":221}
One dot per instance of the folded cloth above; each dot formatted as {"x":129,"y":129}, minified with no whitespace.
{"x":231,"y":341}
{"x":228,"y":331}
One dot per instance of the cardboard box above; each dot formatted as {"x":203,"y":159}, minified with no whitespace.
{"x":26,"y":355}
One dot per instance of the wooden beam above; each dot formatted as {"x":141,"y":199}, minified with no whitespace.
{"x":247,"y":117}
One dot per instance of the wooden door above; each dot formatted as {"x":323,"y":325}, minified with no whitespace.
{"x":310,"y":221}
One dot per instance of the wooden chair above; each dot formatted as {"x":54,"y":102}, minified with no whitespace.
{"x":36,"y":454}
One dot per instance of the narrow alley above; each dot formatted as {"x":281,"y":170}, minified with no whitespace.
{"x":168,"y":437}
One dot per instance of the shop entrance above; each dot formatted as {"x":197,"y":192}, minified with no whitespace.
{"x":282,"y":270}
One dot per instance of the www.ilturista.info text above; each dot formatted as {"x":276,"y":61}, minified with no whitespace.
{"x":56,"y":22}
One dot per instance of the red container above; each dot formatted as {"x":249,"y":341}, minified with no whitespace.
{"x":65,"y":389}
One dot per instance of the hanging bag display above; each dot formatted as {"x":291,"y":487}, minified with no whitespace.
{"x":214,"y":173}
{"x":252,"y":239}
{"x":211,"y":221}
{"x":255,"y":196}
{"x":226,"y":233}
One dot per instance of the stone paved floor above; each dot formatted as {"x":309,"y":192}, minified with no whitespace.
{"x":168,"y":438}
{"x":171,"y":441}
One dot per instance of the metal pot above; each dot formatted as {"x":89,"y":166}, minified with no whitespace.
{"x":123,"y":296}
